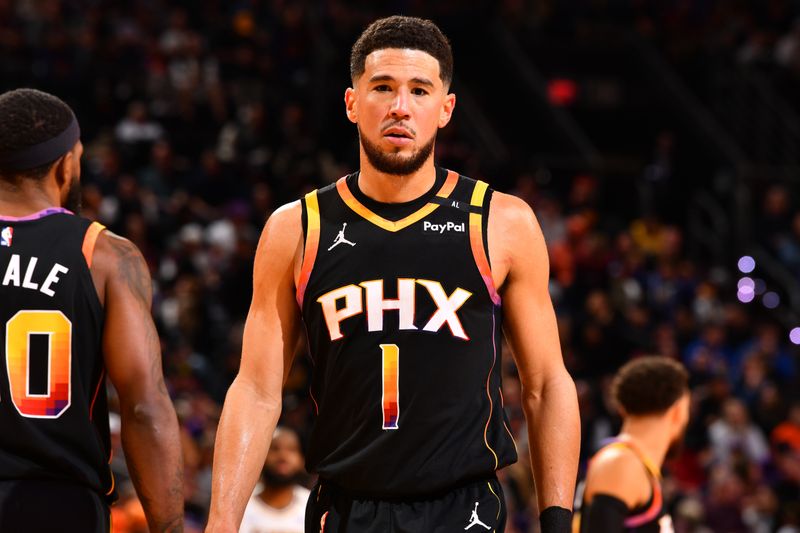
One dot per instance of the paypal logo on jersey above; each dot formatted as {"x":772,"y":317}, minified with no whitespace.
{"x":448,"y":226}
{"x":6,"y":235}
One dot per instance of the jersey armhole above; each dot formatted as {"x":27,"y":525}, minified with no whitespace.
{"x":478,"y":230}
{"x":654,"y":509}
{"x":310,"y":222}
{"x":90,"y":240}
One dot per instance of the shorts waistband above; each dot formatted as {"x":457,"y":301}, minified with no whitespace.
{"x":327,"y":484}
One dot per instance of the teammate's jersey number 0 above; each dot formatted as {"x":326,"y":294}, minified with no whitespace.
{"x":58,"y":330}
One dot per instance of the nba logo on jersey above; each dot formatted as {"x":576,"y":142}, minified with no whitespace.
{"x":6,"y":235}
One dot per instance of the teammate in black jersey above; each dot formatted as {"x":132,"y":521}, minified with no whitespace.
{"x":403,"y":275}
{"x":74,"y":307}
{"x":622,"y":491}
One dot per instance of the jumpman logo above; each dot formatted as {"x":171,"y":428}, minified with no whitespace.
{"x":474,"y":520}
{"x":341,"y":239}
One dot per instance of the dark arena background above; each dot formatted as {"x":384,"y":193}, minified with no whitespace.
{"x":658,"y":143}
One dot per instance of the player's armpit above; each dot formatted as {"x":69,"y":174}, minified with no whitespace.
{"x":253,"y":403}
{"x":520,"y":263}
{"x":132,"y":355}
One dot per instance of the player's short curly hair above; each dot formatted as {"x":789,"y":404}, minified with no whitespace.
{"x":403,"y":32}
{"x":649,"y":385}
{"x":29,"y":117}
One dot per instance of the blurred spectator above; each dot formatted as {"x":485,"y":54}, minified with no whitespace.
{"x":279,"y":505}
{"x":787,"y":434}
{"x":734,"y":434}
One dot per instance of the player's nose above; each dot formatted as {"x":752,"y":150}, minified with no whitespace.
{"x":400,"y":103}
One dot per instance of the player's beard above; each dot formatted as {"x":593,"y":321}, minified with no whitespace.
{"x":73,"y":202}
{"x":395,"y":163}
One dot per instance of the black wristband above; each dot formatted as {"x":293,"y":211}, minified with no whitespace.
{"x":556,"y":520}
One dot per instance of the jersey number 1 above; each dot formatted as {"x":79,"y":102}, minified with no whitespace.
{"x":58,"y":332}
{"x":391,"y":382}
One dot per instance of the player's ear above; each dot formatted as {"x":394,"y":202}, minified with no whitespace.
{"x":350,"y":105}
{"x":448,"y":106}
{"x":64,"y":169}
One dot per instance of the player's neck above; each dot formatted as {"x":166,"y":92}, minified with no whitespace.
{"x":650,"y":435}
{"x":391,"y":189}
{"x":277,"y":497}
{"x":24,"y":199}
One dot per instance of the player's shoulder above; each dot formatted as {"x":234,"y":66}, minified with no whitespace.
{"x":111,"y":249}
{"x":117,"y":255}
{"x":282,"y":237}
{"x":511,"y":206}
{"x":615,"y":458}
{"x":286,"y":222}
{"x":115,"y":245}
{"x":117,"y":259}
{"x":618,"y":471}
{"x":287,"y":214}
{"x":514,"y":218}
{"x":507,"y":208}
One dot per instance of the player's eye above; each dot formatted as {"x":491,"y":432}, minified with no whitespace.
{"x":419,"y":91}
{"x":382,"y":88}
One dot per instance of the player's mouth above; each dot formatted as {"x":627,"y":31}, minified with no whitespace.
{"x":398,"y":136}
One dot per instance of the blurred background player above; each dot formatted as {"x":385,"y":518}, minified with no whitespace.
{"x":279,"y":504}
{"x":623,"y":484}
{"x":74,"y":306}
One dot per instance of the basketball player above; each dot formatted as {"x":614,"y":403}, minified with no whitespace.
{"x":74,"y":307}
{"x":623,"y":484}
{"x":403,"y":274}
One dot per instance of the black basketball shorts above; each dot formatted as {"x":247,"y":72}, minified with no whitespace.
{"x":39,"y":506}
{"x":477,"y":507}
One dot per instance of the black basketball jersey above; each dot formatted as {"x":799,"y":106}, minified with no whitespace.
{"x":53,"y":410}
{"x":404,"y":330}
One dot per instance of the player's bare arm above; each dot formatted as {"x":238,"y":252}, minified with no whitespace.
{"x":521,"y":270}
{"x":132,"y":352}
{"x":253,"y":403}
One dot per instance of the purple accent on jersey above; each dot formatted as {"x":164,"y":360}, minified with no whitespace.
{"x":36,"y":216}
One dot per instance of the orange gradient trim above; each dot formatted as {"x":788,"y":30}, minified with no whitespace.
{"x":388,"y":225}
{"x":476,"y":241}
{"x":311,"y":246}
{"x":89,"y":240}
